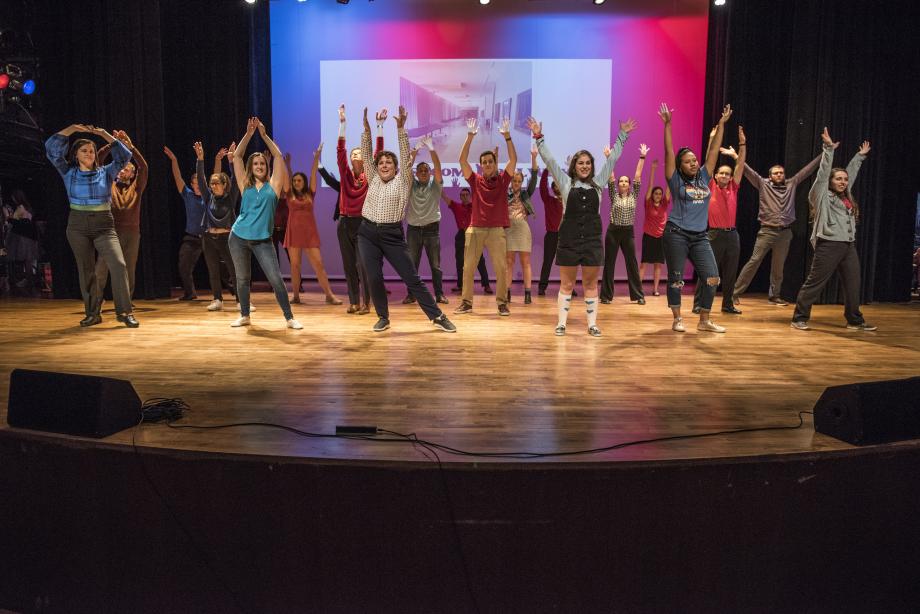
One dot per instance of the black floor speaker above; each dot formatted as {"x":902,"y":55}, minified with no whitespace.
{"x":73,"y":404}
{"x":870,"y":413}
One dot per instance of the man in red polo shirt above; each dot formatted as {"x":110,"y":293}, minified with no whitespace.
{"x":490,"y":216}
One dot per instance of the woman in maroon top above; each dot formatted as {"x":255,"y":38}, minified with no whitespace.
{"x":657,"y":202}
{"x":301,"y":234}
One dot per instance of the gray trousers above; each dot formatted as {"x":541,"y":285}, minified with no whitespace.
{"x":768,"y":238}
{"x":130,"y":242}
{"x":831,"y":257}
{"x":89,"y":232}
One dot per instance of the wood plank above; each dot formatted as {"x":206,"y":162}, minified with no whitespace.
{"x":499,"y":384}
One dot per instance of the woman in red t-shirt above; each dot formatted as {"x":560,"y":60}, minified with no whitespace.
{"x":301,"y":234}
{"x":657,"y":202}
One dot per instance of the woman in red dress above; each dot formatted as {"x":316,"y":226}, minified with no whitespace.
{"x":301,"y":234}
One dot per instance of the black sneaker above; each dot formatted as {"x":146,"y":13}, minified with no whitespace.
{"x":408,"y":300}
{"x":442,"y":299}
{"x":129,"y":321}
{"x":381,"y":325}
{"x":503,"y":310}
{"x":188,"y":297}
{"x":733,"y":310}
{"x":456,"y":289}
{"x":640,"y":301}
{"x":444,"y":324}
{"x":487,"y":289}
{"x":696,"y":309}
{"x":464,"y":307}
{"x":862,"y":326}
{"x":604,"y":301}
{"x":574,"y":293}
{"x":91,"y":320}
{"x":527,"y":298}
{"x":541,"y":291}
{"x":775,"y":300}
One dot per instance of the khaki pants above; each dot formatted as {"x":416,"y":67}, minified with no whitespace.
{"x":492,"y":239}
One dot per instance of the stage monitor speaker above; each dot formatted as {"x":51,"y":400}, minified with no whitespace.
{"x":871,"y":412}
{"x":73,"y":404}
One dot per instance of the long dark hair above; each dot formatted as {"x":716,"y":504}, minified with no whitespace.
{"x":72,"y":152}
{"x":846,"y":193}
{"x":578,"y":154}
{"x":305,"y":183}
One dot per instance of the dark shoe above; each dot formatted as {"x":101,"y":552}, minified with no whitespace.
{"x":129,"y":321}
{"x":408,"y":300}
{"x":560,"y":330}
{"x":91,"y":320}
{"x":444,"y":324}
{"x":352,"y":309}
{"x":464,"y":307}
{"x":509,"y":295}
{"x":363,"y":310}
{"x":442,"y":299}
{"x":487,"y":290}
{"x":503,"y":310}
{"x":862,"y":326}
{"x":641,"y":301}
{"x":604,"y":301}
{"x":381,"y":325}
{"x":188,"y":297}
{"x":775,"y":300}
{"x":733,"y":310}
{"x":574,"y":293}
{"x":696,"y":309}
{"x":799,"y":325}
{"x":541,"y":291}
{"x":456,"y":289}
{"x":527,"y":298}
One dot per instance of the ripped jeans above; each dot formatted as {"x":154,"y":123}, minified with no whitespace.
{"x":678,"y":245}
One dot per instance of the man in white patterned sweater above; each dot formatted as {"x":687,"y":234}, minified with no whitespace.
{"x":381,"y":233}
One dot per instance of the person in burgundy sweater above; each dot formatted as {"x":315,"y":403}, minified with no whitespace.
{"x":723,"y":236}
{"x":352,"y":192}
{"x":657,"y":201}
{"x":552,"y":205}
{"x":463,"y":211}
{"x":489,"y":216}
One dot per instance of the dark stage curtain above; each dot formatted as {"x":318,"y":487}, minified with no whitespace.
{"x":167,"y":72}
{"x":789,"y":68}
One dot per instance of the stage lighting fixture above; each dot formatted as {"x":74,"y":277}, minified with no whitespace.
{"x":250,"y":1}
{"x":342,"y":1}
{"x":719,"y":2}
{"x":484,"y":1}
{"x":28,"y":88}
{"x":4,"y":80}
{"x":598,"y":1}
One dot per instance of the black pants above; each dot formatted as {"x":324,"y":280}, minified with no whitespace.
{"x":189,"y":252}
{"x":379,"y":241}
{"x":617,"y":238}
{"x":89,"y":232}
{"x":429,"y":237}
{"x":550,"y":241}
{"x":831,"y":256}
{"x":347,"y":232}
{"x":459,"y":251}
{"x":216,"y":247}
{"x":726,"y":247}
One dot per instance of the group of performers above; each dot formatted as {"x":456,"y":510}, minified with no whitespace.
{"x":232,"y":217}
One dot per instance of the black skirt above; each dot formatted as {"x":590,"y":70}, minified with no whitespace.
{"x":652,"y":249}
{"x":580,"y":249}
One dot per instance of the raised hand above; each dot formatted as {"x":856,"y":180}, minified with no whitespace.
{"x":535,"y":126}
{"x":726,"y":113}
{"x":199,"y":150}
{"x":319,"y":150}
{"x":169,"y":153}
{"x":826,"y":138}
{"x":221,"y":153}
{"x":413,"y":151}
{"x":607,"y":150}
{"x":665,"y":113}
{"x":401,"y":118}
{"x":864,"y":148}
{"x":367,"y":125}
{"x":742,"y":140}
{"x":268,"y":157}
{"x":287,"y":159}
{"x":122,"y":136}
{"x":471,"y":127}
{"x":505,"y":128}
{"x":381,"y":116}
{"x":728,"y":151}
{"x":495,"y":151}
{"x":427,"y":142}
{"x":260,"y":126}
{"x":629,"y":125}
{"x":341,"y":113}
{"x":643,"y":150}
{"x":231,"y":150}
{"x":252,"y":125}
{"x":533,"y":154}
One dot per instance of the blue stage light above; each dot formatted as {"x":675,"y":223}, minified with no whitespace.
{"x":28,"y":88}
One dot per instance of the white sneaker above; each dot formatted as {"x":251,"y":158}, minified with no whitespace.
{"x":251,"y":307}
{"x":710,"y":326}
{"x":240,"y":321}
{"x":216,"y":305}
{"x":292,"y":323}
{"x":678,"y":325}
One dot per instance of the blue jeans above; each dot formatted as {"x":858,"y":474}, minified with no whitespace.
{"x":241,"y":251}
{"x":377,"y":242}
{"x":678,"y":245}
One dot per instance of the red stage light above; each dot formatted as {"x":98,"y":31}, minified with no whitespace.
{"x":4,"y":81}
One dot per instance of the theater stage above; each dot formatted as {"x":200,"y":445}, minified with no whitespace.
{"x":261,"y":519}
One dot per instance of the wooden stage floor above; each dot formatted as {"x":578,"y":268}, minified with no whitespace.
{"x":499,"y":384}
